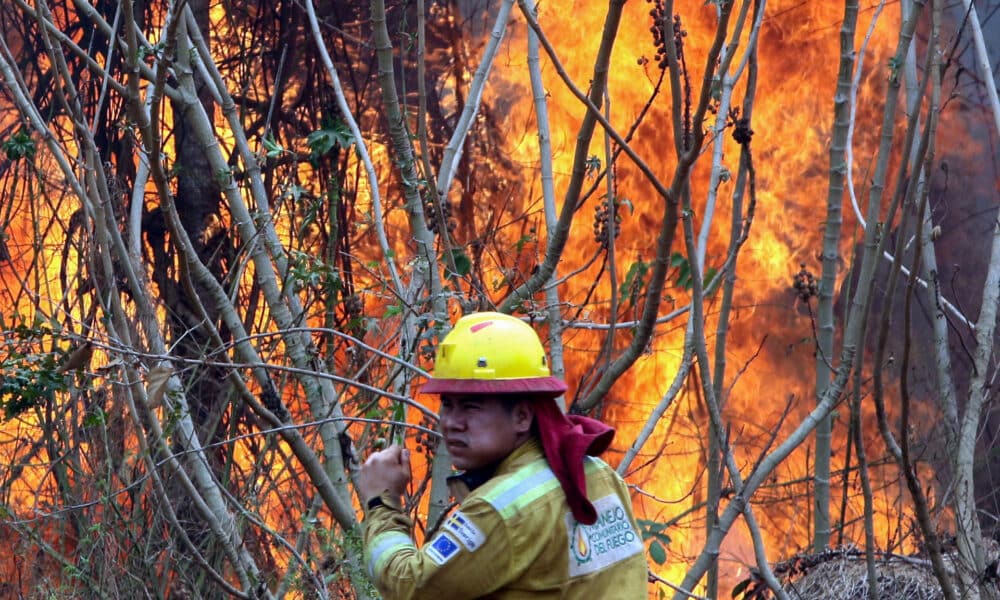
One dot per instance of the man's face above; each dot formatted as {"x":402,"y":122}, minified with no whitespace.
{"x":479,"y":430}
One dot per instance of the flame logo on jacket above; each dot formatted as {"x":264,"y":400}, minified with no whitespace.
{"x":580,"y":546}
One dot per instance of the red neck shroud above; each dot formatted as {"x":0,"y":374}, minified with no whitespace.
{"x":566,"y":439}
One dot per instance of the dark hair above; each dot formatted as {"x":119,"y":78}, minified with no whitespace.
{"x":509,"y":401}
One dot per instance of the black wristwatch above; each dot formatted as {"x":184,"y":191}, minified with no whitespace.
{"x":375,"y":502}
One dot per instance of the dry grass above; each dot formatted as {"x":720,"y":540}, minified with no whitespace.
{"x":842,"y":575}
{"x":847,"y":579}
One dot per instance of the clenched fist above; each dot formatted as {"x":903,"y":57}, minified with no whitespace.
{"x":386,"y":471}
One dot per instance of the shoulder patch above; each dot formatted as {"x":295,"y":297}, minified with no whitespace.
{"x":443,"y":548}
{"x":465,"y":530}
{"x":608,"y":541}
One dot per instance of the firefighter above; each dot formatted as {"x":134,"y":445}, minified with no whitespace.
{"x":539,"y":516}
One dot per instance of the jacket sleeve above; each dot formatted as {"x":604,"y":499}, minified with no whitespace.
{"x":468,"y":557}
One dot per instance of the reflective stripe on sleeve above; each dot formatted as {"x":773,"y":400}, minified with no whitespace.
{"x":382,"y":548}
{"x":591,"y":464}
{"x":524,"y":485}
{"x":527,"y":485}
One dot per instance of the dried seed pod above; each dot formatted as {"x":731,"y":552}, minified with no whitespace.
{"x":805,"y":284}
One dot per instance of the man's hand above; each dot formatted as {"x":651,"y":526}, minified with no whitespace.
{"x":387,"y":471}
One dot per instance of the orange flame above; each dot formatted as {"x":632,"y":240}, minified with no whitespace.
{"x":768,"y":350}
{"x":766,"y":373}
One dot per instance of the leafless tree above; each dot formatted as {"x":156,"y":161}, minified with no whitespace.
{"x":234,"y":233}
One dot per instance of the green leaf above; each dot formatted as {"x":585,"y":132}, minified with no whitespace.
{"x":20,"y":145}
{"x":519,"y":244}
{"x":657,"y":552}
{"x":634,"y":283}
{"x":741,"y":587}
{"x":94,"y":419}
{"x":650,"y":528}
{"x":463,"y":264}
{"x":310,"y":214}
{"x":323,"y":140}
{"x":710,"y":274}
{"x":29,"y":380}
{"x":683,"y":276}
{"x":320,"y":142}
{"x":272,"y":147}
{"x":295,"y":192}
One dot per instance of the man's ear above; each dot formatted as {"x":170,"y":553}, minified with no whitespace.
{"x":524,"y":416}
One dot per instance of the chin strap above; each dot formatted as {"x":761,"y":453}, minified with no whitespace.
{"x":566,"y":440}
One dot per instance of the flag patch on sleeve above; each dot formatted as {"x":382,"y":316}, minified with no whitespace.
{"x":442,"y":549}
{"x":465,"y":530}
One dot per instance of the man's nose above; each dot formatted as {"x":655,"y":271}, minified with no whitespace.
{"x":451,"y":421}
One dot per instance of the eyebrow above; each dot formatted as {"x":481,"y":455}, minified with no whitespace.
{"x":466,"y":399}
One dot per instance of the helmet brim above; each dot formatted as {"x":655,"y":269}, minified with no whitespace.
{"x":537,"y":386}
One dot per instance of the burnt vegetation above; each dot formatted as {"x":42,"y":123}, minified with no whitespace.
{"x":202,"y":332}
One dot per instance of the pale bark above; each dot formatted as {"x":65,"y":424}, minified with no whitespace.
{"x":319,"y":393}
{"x":727,"y":82}
{"x":983,"y":68}
{"x":852,"y":341}
{"x":321,"y":396}
{"x":968,"y":533}
{"x":715,"y":436}
{"x":92,"y":191}
{"x":453,"y":151}
{"x":967,"y":528}
{"x":696,"y":333}
{"x":676,"y":384}
{"x":925,"y":282}
{"x":930,"y":289}
{"x":767,"y":465}
{"x":670,"y":196}
{"x":284,"y":306}
{"x":552,"y":309}
{"x":444,"y":235}
{"x":827,"y":284}
{"x":920,"y":156}
{"x":559,"y":235}
{"x":424,"y":273}
{"x":359,"y":141}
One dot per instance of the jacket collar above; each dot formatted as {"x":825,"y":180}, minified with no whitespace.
{"x":463,"y":483}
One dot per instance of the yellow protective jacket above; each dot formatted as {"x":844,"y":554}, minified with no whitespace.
{"x":515,"y":537}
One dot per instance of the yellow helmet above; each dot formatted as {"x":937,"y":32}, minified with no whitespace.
{"x":492,"y":353}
